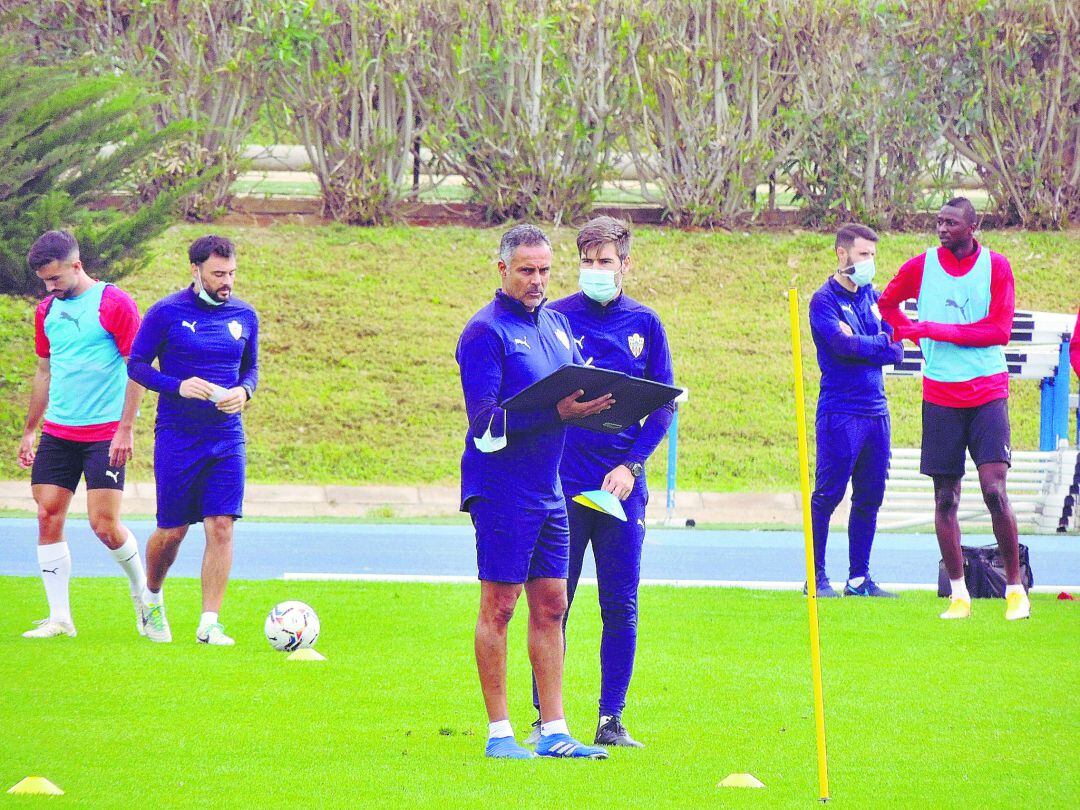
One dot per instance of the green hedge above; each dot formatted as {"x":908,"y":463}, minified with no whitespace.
{"x":859,"y":105}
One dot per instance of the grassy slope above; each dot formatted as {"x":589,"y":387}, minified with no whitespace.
{"x":920,"y":712}
{"x":359,"y":381}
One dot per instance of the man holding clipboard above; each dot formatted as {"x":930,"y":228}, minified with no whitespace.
{"x":617,"y":333}
{"x":510,"y":486}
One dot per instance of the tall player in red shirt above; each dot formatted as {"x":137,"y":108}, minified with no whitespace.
{"x":966,"y":302}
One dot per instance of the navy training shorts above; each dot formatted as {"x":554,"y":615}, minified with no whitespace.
{"x":515,"y":544}
{"x":197,"y":476}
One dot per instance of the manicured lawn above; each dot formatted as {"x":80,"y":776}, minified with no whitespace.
{"x":359,"y":326}
{"x":920,"y":712}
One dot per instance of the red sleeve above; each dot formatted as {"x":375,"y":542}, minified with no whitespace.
{"x":905,"y":285}
{"x":996,"y":328}
{"x":1074,"y":347}
{"x":120,"y":317}
{"x":41,"y":340}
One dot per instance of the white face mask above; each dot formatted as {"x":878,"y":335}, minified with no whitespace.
{"x":488,"y":443}
{"x":862,"y":273}
{"x":203,"y":294}
{"x":599,"y":285}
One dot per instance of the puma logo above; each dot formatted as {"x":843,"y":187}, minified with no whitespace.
{"x":950,"y":303}
{"x":50,"y":570}
{"x":580,"y":342}
{"x":115,"y":476}
{"x":523,"y":341}
{"x":190,"y":325}
{"x":67,"y":316}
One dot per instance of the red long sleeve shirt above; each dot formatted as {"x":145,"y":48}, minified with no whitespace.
{"x":993,"y":330}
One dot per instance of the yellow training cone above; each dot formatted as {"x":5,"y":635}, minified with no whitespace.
{"x":741,"y":780}
{"x":36,"y":784}
{"x":306,"y":654}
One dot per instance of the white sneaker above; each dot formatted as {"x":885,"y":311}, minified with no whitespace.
{"x":213,"y":634}
{"x":156,"y":626}
{"x":47,"y":628}
{"x":140,"y":613}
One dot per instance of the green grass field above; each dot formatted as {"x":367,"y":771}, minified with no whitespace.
{"x":359,"y":325}
{"x":920,"y":712}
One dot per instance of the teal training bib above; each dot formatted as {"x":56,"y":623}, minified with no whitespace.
{"x":957,"y":300}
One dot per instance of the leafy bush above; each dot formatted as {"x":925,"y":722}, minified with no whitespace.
{"x":870,"y":156}
{"x":521,"y":100}
{"x":202,"y":58}
{"x":54,"y":170}
{"x":1008,"y":92}
{"x":347,"y":75}
{"x":714,"y":98}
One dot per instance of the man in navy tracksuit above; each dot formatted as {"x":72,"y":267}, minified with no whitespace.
{"x":206,"y":342}
{"x":510,"y":487}
{"x":615,"y":332}
{"x":853,"y":433}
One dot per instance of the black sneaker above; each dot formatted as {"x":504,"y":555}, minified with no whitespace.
{"x":868,"y":588}
{"x":613,"y":732}
{"x":824,"y":589}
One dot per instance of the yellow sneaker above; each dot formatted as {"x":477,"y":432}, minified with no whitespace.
{"x":1017,"y":606}
{"x":958,"y":609}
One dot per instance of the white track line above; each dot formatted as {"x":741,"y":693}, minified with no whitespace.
{"x":752,"y":584}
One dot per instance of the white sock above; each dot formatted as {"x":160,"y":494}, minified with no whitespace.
{"x":54,"y":560}
{"x":128,"y":557}
{"x":1014,"y":589}
{"x":151,"y":598}
{"x":856,"y":581}
{"x":554,"y":727}
{"x":500,"y":728}
{"x":605,"y":718}
{"x":208,"y":618}
{"x":959,"y":589}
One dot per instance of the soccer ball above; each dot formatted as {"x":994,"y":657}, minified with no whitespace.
{"x":292,"y":625}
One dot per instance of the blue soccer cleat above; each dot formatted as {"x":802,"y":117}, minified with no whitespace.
{"x":506,"y":748}
{"x":868,"y":588}
{"x":565,"y":746}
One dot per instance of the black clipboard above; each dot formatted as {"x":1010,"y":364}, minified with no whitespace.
{"x":635,"y":398}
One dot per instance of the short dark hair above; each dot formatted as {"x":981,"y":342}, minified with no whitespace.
{"x":846,"y":236}
{"x":604,"y":230}
{"x":964,"y":204}
{"x":52,"y":246}
{"x":206,"y":246}
{"x":520,"y":236}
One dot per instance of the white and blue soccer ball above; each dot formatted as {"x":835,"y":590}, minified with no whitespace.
{"x":291,"y":626}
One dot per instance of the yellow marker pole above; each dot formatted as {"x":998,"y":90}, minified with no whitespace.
{"x":808,"y":537}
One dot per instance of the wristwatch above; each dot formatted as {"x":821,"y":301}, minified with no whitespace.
{"x":636,"y":468}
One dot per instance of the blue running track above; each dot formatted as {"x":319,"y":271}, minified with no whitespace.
{"x":690,"y":556}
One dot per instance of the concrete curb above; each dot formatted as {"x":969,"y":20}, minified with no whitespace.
{"x":307,"y":501}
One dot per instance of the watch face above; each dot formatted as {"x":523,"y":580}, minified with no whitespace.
{"x":636,"y":469}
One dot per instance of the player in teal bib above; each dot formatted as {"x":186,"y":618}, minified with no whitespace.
{"x":949,"y":299}
{"x":82,"y":332}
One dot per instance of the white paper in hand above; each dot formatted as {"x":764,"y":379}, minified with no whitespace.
{"x":218,"y":393}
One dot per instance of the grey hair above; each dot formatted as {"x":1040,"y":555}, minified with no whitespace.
{"x":520,"y":236}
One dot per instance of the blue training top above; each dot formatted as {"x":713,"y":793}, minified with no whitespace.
{"x":622,"y":336}
{"x":190,"y":338}
{"x":503,"y":349}
{"x":851,"y":378}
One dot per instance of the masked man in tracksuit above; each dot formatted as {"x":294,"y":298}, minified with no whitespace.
{"x":853,"y":431}
{"x":510,"y":487}
{"x":615,"y":332}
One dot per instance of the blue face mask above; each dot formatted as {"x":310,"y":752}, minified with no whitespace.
{"x":599,"y":285}
{"x":862,"y":273}
{"x":204,"y":296}
{"x":488,"y":443}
